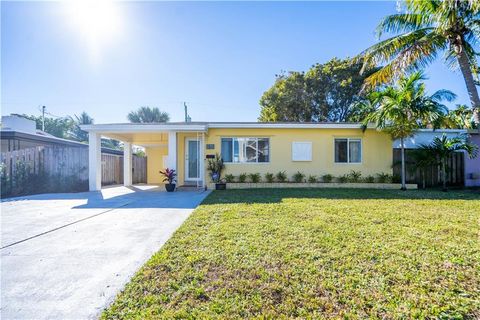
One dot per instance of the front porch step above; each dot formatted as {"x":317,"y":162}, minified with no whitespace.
{"x":188,"y":187}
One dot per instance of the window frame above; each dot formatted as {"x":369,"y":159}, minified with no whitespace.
{"x":310,"y":144}
{"x":244,"y":147}
{"x":348,"y":150}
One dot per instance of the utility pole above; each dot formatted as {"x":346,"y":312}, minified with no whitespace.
{"x":43,"y":118}
{"x":187,"y":117}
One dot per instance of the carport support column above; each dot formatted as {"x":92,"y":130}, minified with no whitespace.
{"x":127,"y":164}
{"x":172,"y":150}
{"x":94,"y":161}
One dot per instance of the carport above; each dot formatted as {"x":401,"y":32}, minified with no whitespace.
{"x":178,"y":146}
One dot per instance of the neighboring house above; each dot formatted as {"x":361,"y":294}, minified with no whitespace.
{"x":312,"y":148}
{"x":20,"y":133}
{"x":462,"y":171}
{"x":472,"y":166}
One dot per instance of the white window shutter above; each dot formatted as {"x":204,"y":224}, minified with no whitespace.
{"x":301,"y":151}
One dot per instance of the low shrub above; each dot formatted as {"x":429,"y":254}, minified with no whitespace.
{"x":354,"y":176}
{"x":396,"y":178}
{"x":281,"y":176}
{"x":254,"y":177}
{"x":242,"y":177}
{"x":384,"y":177}
{"x":327,"y":178}
{"x":312,"y":179}
{"x":269,"y":177}
{"x":369,"y":179}
{"x":343,"y":179}
{"x":298,"y":177}
{"x":229,"y":178}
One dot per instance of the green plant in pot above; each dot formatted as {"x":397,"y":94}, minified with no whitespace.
{"x":169,"y":175}
{"x":215,"y":166}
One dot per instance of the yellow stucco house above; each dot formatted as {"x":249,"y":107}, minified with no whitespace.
{"x":246,"y":147}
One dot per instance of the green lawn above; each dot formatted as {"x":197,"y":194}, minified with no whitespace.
{"x":316,"y":253}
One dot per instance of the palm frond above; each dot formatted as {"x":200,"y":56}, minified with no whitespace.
{"x":403,"y":22}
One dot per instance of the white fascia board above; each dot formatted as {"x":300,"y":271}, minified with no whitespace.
{"x":133,"y":128}
{"x":288,"y":126}
{"x":459,"y":131}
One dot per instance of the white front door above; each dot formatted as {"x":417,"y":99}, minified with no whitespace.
{"x":192,"y":160}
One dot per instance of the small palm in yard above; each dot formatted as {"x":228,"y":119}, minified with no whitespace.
{"x":402,"y":109}
{"x":444,"y":147}
{"x":425,"y":29}
{"x":422,"y":161}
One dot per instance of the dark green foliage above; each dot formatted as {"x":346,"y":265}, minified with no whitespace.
{"x":254,"y":177}
{"x":298,"y":177}
{"x":354,"y":176}
{"x":384,"y":177}
{"x":281,"y":176}
{"x":242,"y":177}
{"x":326,"y":92}
{"x":369,"y":179}
{"x":269,"y":177}
{"x":327,"y":178}
{"x":343,"y":178}
{"x":229,"y":178}
{"x":312,"y":179}
{"x":148,"y":115}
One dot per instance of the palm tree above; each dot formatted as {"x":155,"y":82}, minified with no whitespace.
{"x":402,"y":109}
{"x":77,"y":133}
{"x":444,"y":147}
{"x":427,"y":28}
{"x":148,"y":115}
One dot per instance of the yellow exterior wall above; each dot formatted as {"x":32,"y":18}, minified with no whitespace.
{"x":376,"y":151}
{"x":155,"y":164}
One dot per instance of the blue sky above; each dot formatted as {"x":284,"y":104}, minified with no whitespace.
{"x":218,"y":57}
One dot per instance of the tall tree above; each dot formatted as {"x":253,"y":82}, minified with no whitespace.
{"x":148,"y":115}
{"x":402,"y":109}
{"x":326,"y":92}
{"x":443,"y":147}
{"x":427,"y":28}
{"x":460,"y":118}
{"x":59,"y":127}
{"x":77,"y":133}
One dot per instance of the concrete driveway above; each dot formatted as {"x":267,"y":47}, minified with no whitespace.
{"x":66,"y":256}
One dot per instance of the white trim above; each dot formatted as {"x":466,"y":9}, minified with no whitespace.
{"x":348,"y":150}
{"x":187,"y":157}
{"x":296,"y":158}
{"x":131,"y":127}
{"x":247,"y":137}
{"x":128,"y":128}
{"x":288,"y":125}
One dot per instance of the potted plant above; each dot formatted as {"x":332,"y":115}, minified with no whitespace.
{"x":216,"y":166}
{"x":169,"y":176}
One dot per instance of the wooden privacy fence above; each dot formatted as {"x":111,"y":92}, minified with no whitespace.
{"x":112,"y":169}
{"x":60,"y":169}
{"x":455,"y":170}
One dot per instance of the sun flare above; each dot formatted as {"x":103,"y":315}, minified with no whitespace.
{"x":98,"y":23}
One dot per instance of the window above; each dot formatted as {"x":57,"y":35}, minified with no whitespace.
{"x":348,"y":150}
{"x":301,"y":151}
{"x":241,"y":150}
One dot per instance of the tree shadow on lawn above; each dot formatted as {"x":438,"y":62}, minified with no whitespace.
{"x":278,"y":195}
